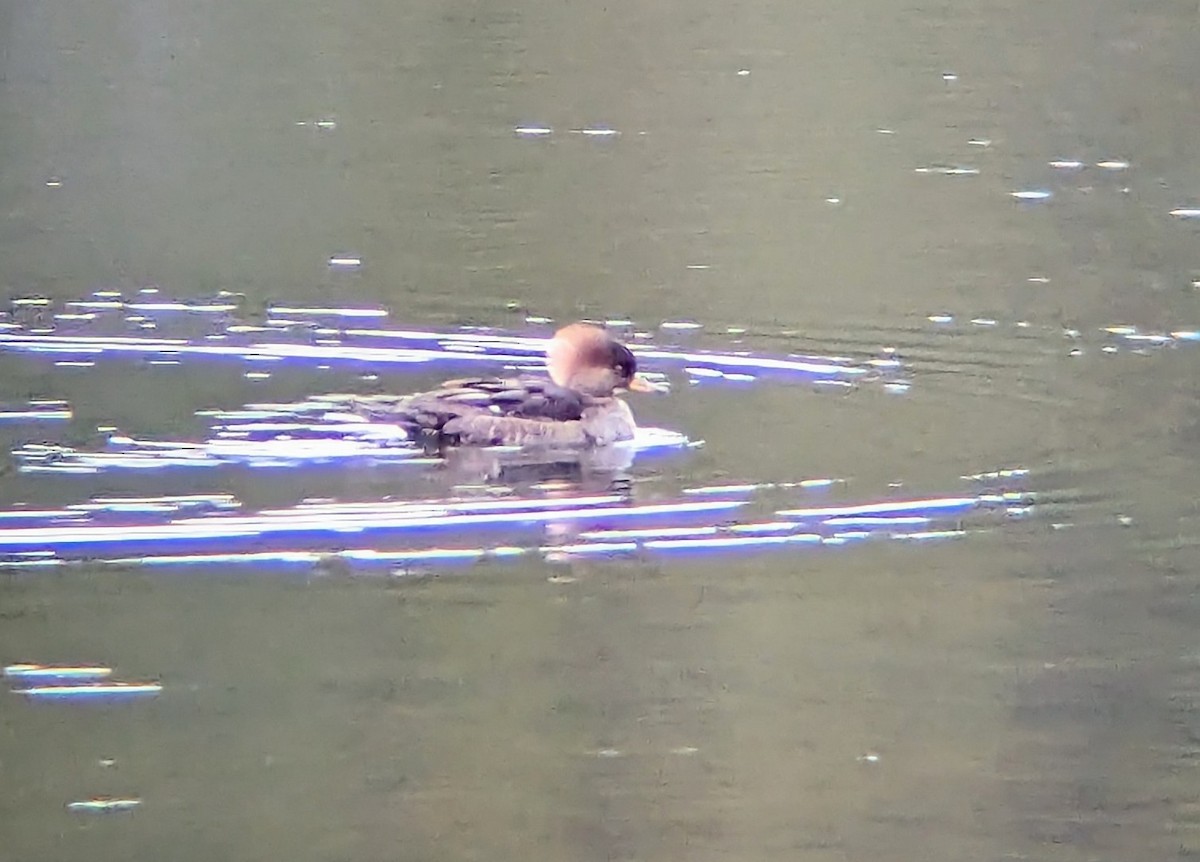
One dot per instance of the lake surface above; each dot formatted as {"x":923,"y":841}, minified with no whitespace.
{"x":973,"y":633}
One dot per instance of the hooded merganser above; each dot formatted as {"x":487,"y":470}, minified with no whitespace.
{"x":577,"y":408}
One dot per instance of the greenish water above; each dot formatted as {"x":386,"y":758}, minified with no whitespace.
{"x":1025,"y":692}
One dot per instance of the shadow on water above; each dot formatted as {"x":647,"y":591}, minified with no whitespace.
{"x":902,"y":566}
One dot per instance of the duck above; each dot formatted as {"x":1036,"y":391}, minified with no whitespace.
{"x":574,"y":407}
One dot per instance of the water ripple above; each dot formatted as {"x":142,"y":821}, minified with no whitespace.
{"x":384,"y":534}
{"x":108,"y":327}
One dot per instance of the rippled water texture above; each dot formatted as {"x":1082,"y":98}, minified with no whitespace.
{"x":901,"y":565}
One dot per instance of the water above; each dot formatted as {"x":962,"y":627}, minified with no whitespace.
{"x":945,"y":608}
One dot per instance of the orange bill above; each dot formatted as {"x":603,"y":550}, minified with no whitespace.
{"x":641,"y":384}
